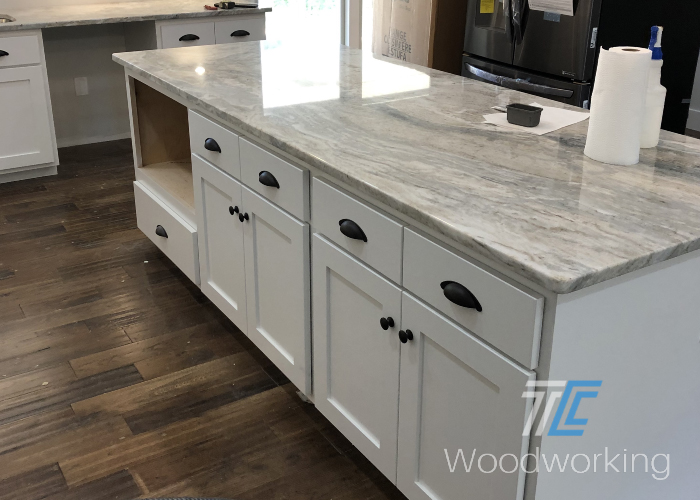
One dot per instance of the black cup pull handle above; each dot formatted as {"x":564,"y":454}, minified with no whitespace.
{"x":189,"y":38}
{"x":240,"y":33}
{"x":211,"y":145}
{"x":350,"y":229}
{"x":405,"y":336}
{"x":460,"y":295}
{"x":4,"y":53}
{"x":160,"y":231}
{"x":267,"y":179}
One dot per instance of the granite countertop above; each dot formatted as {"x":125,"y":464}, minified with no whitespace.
{"x":414,"y":139}
{"x":51,"y":16}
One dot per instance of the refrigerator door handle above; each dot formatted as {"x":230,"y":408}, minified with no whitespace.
{"x":508,"y":11}
{"x":518,"y":83}
{"x":517,"y":17}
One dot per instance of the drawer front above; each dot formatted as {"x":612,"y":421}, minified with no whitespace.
{"x":240,"y":29}
{"x":275,"y":179}
{"x":180,"y":245}
{"x":510,"y":318}
{"x":383,"y":235}
{"x":19,"y":50}
{"x":187,"y":34}
{"x":222,"y":144}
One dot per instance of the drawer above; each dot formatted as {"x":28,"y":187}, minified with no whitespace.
{"x":187,"y":34}
{"x":222,"y":144}
{"x":180,"y":244}
{"x":275,"y":179}
{"x":510,"y":318}
{"x":240,"y":29}
{"x":20,"y":50}
{"x":384,"y":235}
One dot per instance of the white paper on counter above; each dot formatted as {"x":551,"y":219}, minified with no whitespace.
{"x":551,"y":119}
{"x":564,"y":7}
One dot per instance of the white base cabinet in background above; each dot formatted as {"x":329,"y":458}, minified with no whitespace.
{"x":457,"y":394}
{"x":277,"y":286}
{"x":356,"y":361}
{"x":26,"y":121}
{"x":221,"y":250}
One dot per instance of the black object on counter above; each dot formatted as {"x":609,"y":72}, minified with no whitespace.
{"x":523,"y":115}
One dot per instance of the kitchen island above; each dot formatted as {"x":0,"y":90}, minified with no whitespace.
{"x":457,"y":263}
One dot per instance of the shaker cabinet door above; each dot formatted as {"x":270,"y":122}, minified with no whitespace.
{"x":457,"y":394}
{"x":278,"y":287}
{"x":26,"y":137}
{"x":356,"y":361}
{"x":221,"y":249}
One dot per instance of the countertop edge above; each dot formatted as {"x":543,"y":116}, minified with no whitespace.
{"x":124,"y":19}
{"x":558,"y":285}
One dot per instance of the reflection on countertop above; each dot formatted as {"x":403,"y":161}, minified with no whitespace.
{"x":415,"y":139}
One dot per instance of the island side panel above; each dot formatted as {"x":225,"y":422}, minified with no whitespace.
{"x":638,"y":335}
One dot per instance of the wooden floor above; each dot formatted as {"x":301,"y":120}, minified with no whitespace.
{"x":120,"y":380}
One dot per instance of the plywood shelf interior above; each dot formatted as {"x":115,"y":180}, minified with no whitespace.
{"x":165,"y":164}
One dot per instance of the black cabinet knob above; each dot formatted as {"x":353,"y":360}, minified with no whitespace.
{"x":160,"y":231}
{"x":460,"y":295}
{"x":243,"y":216}
{"x":267,"y":179}
{"x":240,"y":33}
{"x":387,"y":323}
{"x":189,"y":38}
{"x":350,"y":229}
{"x":211,"y":145}
{"x":4,"y":53}
{"x":405,"y":336}
{"x":233,"y":210}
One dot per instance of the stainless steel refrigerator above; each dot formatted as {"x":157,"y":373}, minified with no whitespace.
{"x":542,"y":53}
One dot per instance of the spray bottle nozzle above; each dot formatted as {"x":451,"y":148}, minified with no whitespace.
{"x":655,"y":43}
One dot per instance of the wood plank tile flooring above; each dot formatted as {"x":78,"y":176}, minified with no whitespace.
{"x":120,"y":380}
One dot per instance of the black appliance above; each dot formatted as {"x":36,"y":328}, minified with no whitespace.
{"x":541,"y":53}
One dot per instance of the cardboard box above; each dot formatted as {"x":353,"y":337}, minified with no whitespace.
{"x":402,"y":30}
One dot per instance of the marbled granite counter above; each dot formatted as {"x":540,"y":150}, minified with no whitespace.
{"x":51,"y":16}
{"x":414,"y":138}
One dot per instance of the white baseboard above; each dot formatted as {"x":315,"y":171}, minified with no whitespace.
{"x":693,"y":119}
{"x":65,"y":142}
{"x":27,"y":173}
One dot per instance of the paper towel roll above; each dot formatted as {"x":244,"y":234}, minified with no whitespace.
{"x":618,"y":105}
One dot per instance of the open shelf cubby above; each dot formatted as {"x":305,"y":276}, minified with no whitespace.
{"x":163,"y":132}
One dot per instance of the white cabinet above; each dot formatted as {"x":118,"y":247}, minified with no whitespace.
{"x":356,"y":361}
{"x":457,"y":393}
{"x":221,"y":249}
{"x":26,"y":123}
{"x":278,"y":287}
{"x":187,"y":34}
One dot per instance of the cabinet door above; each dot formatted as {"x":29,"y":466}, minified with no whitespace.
{"x":278,"y":287}
{"x":25,"y":127}
{"x":356,"y":361}
{"x":221,"y":251}
{"x":457,"y":393}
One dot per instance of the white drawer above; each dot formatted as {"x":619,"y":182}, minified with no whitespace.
{"x":222,"y":144}
{"x":510,"y":318}
{"x":19,"y":51}
{"x":384,"y":235}
{"x":240,"y":29}
{"x":187,"y":34}
{"x":180,"y":244}
{"x":275,"y":179}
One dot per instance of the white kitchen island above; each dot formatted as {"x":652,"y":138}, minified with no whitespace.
{"x":415,"y":271}
{"x":28,"y":138}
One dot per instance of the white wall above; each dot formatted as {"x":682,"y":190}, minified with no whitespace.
{"x":694,"y":115}
{"x":86,"y":51}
